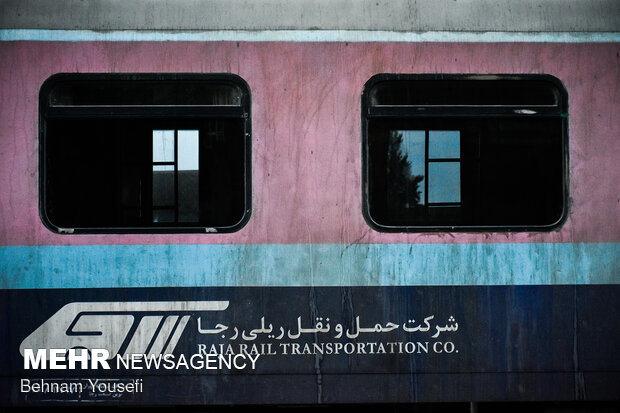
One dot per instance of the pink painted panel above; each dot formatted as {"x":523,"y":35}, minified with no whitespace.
{"x":307,"y":134}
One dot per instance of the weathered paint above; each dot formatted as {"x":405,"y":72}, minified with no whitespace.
{"x":304,"y":36}
{"x":100,"y":266}
{"x":307,"y":137}
{"x":306,"y":229}
{"x":369,"y":15}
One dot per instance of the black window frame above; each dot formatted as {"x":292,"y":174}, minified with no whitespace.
{"x":241,"y":111}
{"x":436,"y":111}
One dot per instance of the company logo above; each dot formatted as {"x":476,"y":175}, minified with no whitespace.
{"x":140,"y":327}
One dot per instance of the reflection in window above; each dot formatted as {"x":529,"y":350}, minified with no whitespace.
{"x":164,"y":171}
{"x":445,"y":152}
{"x":444,"y":183}
{"x":175,"y":176}
{"x":413,"y":146}
{"x":163,"y":146}
{"x":410,"y":164}
{"x":188,"y":182}
{"x":444,"y":168}
{"x":405,"y":169}
{"x":444,"y":144}
{"x":145,"y":153}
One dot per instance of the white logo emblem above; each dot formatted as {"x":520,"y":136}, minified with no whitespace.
{"x":141,"y":327}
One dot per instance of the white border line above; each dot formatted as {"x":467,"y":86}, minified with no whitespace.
{"x":305,"y":36}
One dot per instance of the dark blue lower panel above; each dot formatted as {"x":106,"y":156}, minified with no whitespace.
{"x":236,"y":345}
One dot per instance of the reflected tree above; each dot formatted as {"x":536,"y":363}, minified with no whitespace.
{"x":403,"y":186}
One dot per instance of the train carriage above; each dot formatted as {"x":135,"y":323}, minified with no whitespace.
{"x":403,"y":204}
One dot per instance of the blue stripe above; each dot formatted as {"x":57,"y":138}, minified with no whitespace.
{"x":306,"y":36}
{"x":98,"y":266}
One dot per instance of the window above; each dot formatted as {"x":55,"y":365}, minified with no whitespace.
{"x":143,"y":153}
{"x":462,"y":153}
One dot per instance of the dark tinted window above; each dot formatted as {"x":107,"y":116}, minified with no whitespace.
{"x":145,"y":153}
{"x":464,"y":153}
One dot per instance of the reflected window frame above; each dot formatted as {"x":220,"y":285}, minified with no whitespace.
{"x":110,"y":105}
{"x":430,"y":109}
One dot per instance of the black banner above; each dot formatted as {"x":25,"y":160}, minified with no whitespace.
{"x":223,"y":345}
